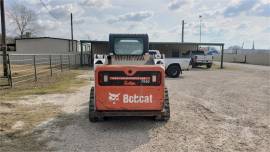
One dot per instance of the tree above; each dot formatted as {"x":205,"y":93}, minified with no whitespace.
{"x":25,"y":20}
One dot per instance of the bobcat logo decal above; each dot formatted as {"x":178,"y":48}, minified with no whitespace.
{"x":113,"y":97}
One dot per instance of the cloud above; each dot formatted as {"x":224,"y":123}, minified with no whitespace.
{"x":242,"y":27}
{"x":236,"y":9}
{"x":228,"y":21}
{"x":79,"y":21}
{"x":132,"y":17}
{"x":176,"y":4}
{"x":96,"y":3}
{"x":249,"y":7}
{"x":263,"y":10}
{"x":267,"y":30}
{"x":63,"y":11}
{"x":211,"y":13}
{"x":60,"y":11}
{"x":49,"y":24}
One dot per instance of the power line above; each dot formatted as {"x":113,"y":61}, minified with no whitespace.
{"x":46,"y":7}
{"x":49,"y":11}
{"x":52,"y":15}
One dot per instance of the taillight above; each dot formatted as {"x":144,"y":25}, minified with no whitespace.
{"x":154,"y":78}
{"x":105,"y":78}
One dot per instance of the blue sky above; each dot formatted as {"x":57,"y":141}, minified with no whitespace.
{"x":230,"y":21}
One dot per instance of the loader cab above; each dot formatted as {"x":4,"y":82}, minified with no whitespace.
{"x":128,"y":44}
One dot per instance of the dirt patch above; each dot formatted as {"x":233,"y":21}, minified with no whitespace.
{"x":7,"y":105}
{"x":17,"y":126}
{"x":24,"y":118}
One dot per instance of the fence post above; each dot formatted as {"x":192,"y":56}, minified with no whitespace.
{"x":10,"y":73}
{"x":61,"y":65}
{"x":35,"y":68}
{"x":89,"y":60}
{"x":221,"y":60}
{"x":50,"y":57}
{"x":75,"y":60}
{"x":81,"y":55}
{"x":69,"y":62}
{"x":83,"y":59}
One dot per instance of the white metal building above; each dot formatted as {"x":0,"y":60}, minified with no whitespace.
{"x":45,"y":45}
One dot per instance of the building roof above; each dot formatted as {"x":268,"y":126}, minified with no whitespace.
{"x":44,"y":38}
{"x":187,"y":43}
{"x":163,"y":43}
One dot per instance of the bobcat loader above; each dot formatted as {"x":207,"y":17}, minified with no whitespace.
{"x":129,"y":81}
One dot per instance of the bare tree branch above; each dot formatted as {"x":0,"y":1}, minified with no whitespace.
{"x":25,"y":19}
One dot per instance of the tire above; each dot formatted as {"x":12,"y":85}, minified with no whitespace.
{"x":209,"y":65}
{"x":173,"y":71}
{"x":165,"y":116}
{"x":189,"y":67}
{"x":193,"y":64}
{"x":92,"y":113}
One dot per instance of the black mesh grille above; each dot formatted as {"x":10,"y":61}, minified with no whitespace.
{"x":119,"y":78}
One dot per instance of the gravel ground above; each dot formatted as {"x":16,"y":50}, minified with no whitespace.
{"x":211,"y":110}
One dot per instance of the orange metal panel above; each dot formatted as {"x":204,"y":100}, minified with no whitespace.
{"x":129,"y":97}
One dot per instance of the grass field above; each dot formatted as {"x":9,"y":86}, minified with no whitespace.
{"x":60,"y":82}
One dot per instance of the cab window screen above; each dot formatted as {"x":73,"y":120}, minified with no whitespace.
{"x":128,"y":46}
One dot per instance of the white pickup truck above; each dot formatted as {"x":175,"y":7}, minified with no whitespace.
{"x":199,"y":58}
{"x":174,"y":66}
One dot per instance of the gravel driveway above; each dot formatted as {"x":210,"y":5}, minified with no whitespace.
{"x":211,"y":110}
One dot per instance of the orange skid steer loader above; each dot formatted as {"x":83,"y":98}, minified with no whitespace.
{"x":129,"y":81}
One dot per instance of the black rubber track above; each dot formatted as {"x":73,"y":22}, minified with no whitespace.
{"x":166,"y":115}
{"x":92,"y":114}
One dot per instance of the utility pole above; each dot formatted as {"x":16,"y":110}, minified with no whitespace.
{"x":200,"y":28}
{"x":3,"y":46}
{"x":71,"y":23}
{"x":183,"y":26}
